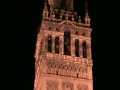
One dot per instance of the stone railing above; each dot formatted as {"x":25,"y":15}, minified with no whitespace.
{"x":67,"y":58}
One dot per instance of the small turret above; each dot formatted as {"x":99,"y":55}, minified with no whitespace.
{"x":53,"y":14}
{"x":66,"y":16}
{"x":72,"y":18}
{"x":45,"y":10}
{"x":79,"y":19}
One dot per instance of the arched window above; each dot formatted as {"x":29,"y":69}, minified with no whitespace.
{"x":57,"y":45}
{"x":67,"y":42}
{"x":49,"y":44}
{"x":77,"y":48}
{"x":84,"y":50}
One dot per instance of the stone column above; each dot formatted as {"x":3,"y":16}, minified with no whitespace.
{"x":53,"y":43}
{"x":45,"y":42}
{"x":81,"y":48}
{"x":73,"y":46}
{"x":61,"y":49}
{"x":88,"y":49}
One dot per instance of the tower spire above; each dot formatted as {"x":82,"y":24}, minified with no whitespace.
{"x":87,"y":18}
{"x":86,"y":8}
{"x":45,"y":5}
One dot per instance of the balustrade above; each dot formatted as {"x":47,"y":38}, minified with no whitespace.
{"x":67,"y":58}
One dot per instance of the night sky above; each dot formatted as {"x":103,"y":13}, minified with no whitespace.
{"x":20,"y":21}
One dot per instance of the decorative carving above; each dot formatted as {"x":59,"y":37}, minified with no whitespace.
{"x":52,"y":85}
{"x":66,"y":69}
{"x":82,"y":87}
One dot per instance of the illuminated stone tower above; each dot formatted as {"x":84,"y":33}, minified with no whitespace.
{"x":63,"y":49}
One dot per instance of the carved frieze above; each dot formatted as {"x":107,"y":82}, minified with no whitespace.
{"x":82,"y":87}
{"x":70,"y":70}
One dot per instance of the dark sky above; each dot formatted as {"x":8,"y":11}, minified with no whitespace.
{"x":20,"y":20}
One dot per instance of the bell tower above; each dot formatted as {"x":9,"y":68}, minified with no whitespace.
{"x":63,"y":59}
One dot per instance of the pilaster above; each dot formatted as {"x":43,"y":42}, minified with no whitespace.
{"x":61,"y":49}
{"x":81,"y":48}
{"x":75,"y":87}
{"x":73,"y":46}
{"x":45,"y":40}
{"x":53,"y":43}
{"x":88,"y":49}
{"x":90,"y":72}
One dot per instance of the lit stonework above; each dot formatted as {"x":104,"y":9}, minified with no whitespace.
{"x":63,"y":49}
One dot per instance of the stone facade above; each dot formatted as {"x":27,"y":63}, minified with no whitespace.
{"x":63,"y":52}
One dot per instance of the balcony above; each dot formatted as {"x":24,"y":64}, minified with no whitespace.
{"x":66,"y":58}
